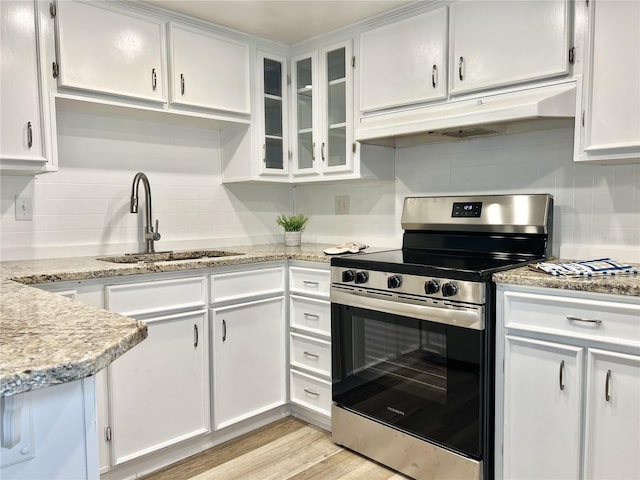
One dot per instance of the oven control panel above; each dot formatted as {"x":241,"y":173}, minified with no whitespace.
{"x":414,"y":285}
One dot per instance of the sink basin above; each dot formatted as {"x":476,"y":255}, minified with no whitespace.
{"x":167,"y":256}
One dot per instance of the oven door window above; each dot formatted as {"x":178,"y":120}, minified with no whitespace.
{"x":418,"y":376}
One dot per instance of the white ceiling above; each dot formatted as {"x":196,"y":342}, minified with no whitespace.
{"x":282,"y":21}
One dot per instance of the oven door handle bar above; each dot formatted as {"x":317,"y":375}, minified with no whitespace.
{"x":470,"y":316}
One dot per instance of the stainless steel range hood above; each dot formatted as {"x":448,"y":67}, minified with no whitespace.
{"x":538,"y":108}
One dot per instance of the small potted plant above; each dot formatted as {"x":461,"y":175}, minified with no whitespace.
{"x":293,"y":227}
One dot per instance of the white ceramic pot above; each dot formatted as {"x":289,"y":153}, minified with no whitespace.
{"x":292,"y":239}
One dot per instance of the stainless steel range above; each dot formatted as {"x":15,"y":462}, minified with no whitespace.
{"x":413,"y":333}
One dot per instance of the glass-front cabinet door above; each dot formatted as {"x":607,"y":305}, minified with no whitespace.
{"x":336,"y":149}
{"x":305,"y":118}
{"x":273,"y":131}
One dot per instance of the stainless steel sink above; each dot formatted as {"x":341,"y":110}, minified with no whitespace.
{"x":167,"y":256}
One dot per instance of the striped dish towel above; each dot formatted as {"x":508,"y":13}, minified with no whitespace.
{"x":589,"y":268}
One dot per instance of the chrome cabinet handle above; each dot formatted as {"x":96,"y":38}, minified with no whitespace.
{"x":182,"y":83}
{"x":195,"y":335}
{"x":460,"y":67}
{"x":29,"y":135}
{"x":607,"y":385}
{"x":154,"y":79}
{"x":264,"y":153}
{"x":322,"y":151}
{"x":309,"y":283}
{"x":312,"y":355}
{"x":311,"y":315}
{"x":434,"y":76}
{"x":571,"y":318}
{"x":313,"y":152}
{"x":561,"y":375}
{"x":224,"y":331}
{"x":311,"y":392}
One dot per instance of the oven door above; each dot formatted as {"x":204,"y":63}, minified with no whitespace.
{"x":419,"y":376}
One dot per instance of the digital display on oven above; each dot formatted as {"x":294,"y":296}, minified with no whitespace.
{"x":466,"y":209}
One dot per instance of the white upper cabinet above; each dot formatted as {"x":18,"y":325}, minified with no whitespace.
{"x":608,"y":121}
{"x":110,"y":51}
{"x":209,"y":71}
{"x":497,"y":43}
{"x":21,"y":121}
{"x":404,"y":62}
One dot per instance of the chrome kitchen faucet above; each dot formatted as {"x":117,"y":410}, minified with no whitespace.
{"x":150,"y":235}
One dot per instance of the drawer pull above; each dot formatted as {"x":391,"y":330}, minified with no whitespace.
{"x":311,"y":315}
{"x":607,"y":384}
{"x":309,"y":283}
{"x":311,"y":392}
{"x":571,"y":318}
{"x":561,"y":379}
{"x":224,"y":331}
{"x":195,"y":335}
{"x":312,"y":355}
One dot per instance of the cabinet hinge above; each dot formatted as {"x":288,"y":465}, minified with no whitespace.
{"x":572,"y":55}
{"x":290,"y":153}
{"x":353,"y":61}
{"x":587,"y":2}
{"x":353,"y":147}
{"x":55,"y":70}
{"x":52,"y":9}
{"x":107,"y":434}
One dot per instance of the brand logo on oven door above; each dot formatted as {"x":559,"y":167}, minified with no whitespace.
{"x":395,"y":410}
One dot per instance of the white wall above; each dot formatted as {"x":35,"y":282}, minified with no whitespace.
{"x":597,"y":208}
{"x":83,"y":209}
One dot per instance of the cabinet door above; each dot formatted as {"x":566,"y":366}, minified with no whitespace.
{"x":160,"y":389}
{"x":542,"y":409}
{"x":209,"y":71}
{"x":21,"y":126}
{"x":110,"y":51}
{"x":613,"y":416}
{"x":416,"y":47}
{"x":272,"y":120}
{"x":495,"y":43}
{"x":248,"y":360}
{"x":610,"y":126}
{"x":305,"y":119}
{"x":336,"y":149}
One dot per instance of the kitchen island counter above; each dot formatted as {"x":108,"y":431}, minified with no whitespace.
{"x":46,"y":339}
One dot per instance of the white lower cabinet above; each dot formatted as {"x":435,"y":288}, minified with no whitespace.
{"x":159,"y":391}
{"x":248,"y":360}
{"x":310,"y":343}
{"x":568,"y":400}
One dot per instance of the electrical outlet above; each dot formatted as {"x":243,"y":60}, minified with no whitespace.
{"x":342,"y":204}
{"x":24,"y":208}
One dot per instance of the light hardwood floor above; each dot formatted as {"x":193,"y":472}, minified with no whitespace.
{"x":289,"y":449}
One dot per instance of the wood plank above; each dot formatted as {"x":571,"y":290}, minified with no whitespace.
{"x":347,"y":465}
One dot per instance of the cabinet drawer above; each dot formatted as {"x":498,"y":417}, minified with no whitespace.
{"x":311,"y":392}
{"x":134,"y":299}
{"x":240,"y":285}
{"x":310,"y":315}
{"x":575,"y":317}
{"x":309,"y":281}
{"x":310,"y":353}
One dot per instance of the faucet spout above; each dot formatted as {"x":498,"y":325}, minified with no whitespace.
{"x":150,"y":235}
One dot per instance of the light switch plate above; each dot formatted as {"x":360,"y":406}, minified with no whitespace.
{"x":342,"y":204}
{"x":24,"y":208}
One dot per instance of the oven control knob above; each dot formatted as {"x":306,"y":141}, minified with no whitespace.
{"x":348,"y":276}
{"x":449,"y":289}
{"x":394,"y":281}
{"x":431,"y":287}
{"x":362,"y":277}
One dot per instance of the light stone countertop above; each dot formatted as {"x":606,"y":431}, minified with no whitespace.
{"x":628,"y":285}
{"x":46,"y":339}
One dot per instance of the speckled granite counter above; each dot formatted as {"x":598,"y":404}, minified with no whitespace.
{"x":46,"y":339}
{"x":615,"y":285}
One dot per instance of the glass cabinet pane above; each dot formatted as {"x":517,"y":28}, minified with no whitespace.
{"x":273,"y":153}
{"x":336,"y":107}
{"x":337,"y":146}
{"x":304,"y":108}
{"x":304,"y":73}
{"x":336,"y":67}
{"x":273,"y":116}
{"x":272,"y":77}
{"x":273,"y":148}
{"x":305,"y":150}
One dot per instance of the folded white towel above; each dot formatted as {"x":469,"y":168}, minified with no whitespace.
{"x":588,"y":268}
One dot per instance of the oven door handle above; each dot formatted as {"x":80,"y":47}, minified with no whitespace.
{"x":471,"y":316}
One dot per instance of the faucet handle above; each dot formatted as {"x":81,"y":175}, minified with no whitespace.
{"x":155,"y":234}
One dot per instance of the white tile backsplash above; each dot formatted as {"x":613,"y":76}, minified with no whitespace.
{"x":83,"y":209}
